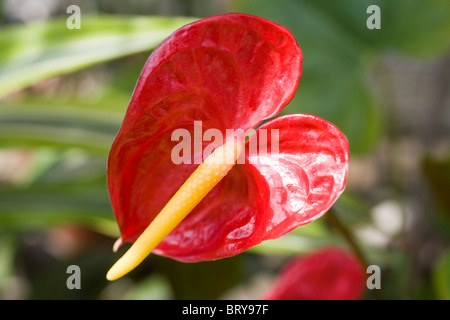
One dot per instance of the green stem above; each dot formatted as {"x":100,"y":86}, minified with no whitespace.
{"x":334,"y":221}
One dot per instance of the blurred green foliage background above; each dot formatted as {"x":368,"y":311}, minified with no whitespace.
{"x":63,"y":94}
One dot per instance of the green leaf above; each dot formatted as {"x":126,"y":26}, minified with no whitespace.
{"x":33,"y":126}
{"x":8,"y":244}
{"x":413,"y":27}
{"x":441,"y":277}
{"x":337,"y":92}
{"x":340,"y":52}
{"x":154,"y":287}
{"x":34,"y":52}
{"x":70,"y":187}
{"x":43,"y":206}
{"x":333,"y":84}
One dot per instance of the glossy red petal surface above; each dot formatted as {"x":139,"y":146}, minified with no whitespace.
{"x":268,"y":195}
{"x":327,"y":274}
{"x":307,"y":175}
{"x":228,"y":221}
{"x":244,"y":68}
{"x":229,"y":71}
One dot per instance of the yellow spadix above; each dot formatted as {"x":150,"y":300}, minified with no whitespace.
{"x":197,"y":186}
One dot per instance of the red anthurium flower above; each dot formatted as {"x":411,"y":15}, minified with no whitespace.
{"x":227,"y":72}
{"x":327,"y":274}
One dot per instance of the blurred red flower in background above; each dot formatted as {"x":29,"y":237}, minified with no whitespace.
{"x":327,"y":274}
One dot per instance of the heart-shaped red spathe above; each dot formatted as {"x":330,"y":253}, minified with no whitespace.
{"x":269,"y":195}
{"x":326,"y":274}
{"x":230,"y":72}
